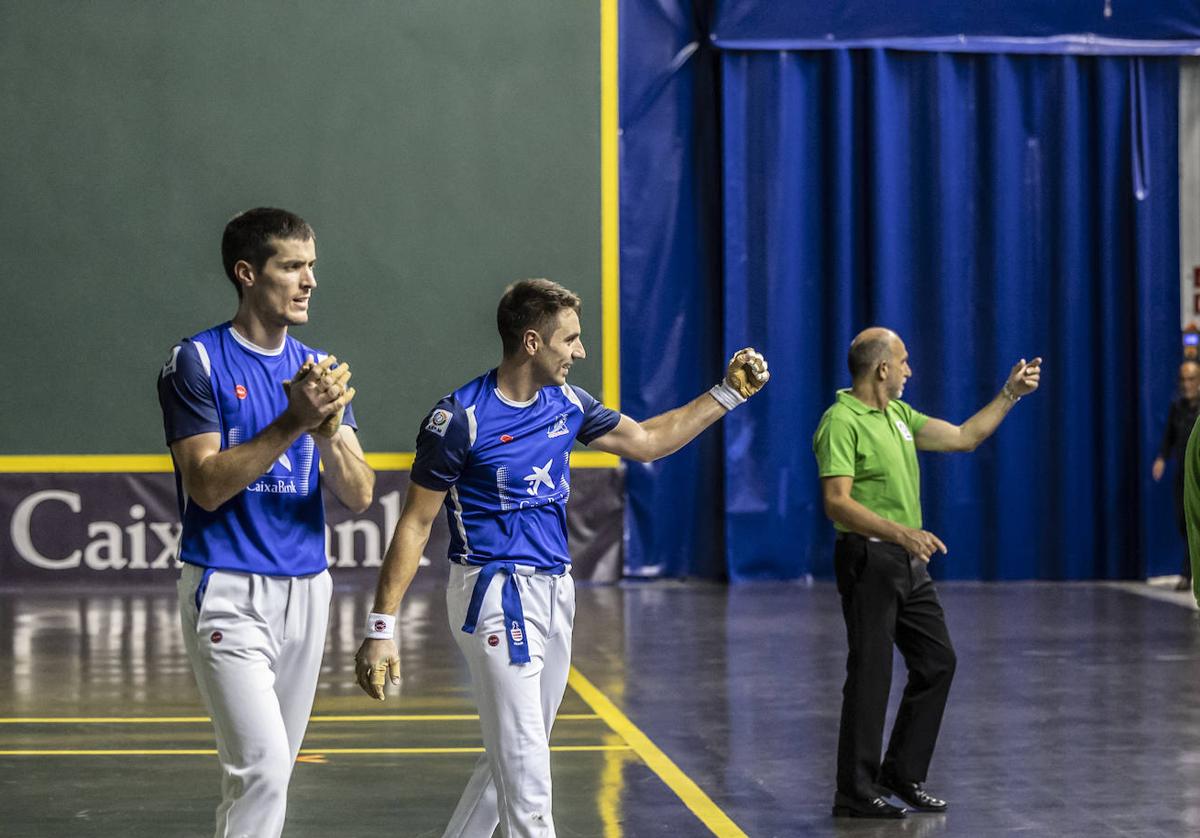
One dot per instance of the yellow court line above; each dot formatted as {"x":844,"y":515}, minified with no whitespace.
{"x":684,"y":786}
{"x":161,"y":463}
{"x":204,"y":752}
{"x":150,"y":720}
{"x":610,"y":208}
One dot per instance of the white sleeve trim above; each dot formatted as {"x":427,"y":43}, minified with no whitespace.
{"x":472,"y":427}
{"x":203,"y":353}
{"x":572,"y":396}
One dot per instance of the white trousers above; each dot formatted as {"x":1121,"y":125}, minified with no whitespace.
{"x":510,"y":786}
{"x":255,"y":644}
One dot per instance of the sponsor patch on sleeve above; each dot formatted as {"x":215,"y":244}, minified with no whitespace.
{"x":438,"y":422}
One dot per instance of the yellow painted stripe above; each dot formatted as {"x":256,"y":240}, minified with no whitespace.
{"x":90,"y":463}
{"x":161,"y":463}
{"x":391,"y":461}
{"x":684,"y":787}
{"x":610,"y":216}
{"x":199,"y":752}
{"x":150,"y":720}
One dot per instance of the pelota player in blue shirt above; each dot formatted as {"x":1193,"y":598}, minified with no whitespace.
{"x":249,"y":413}
{"x":495,"y":454}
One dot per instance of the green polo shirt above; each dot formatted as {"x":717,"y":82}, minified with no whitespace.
{"x":876,"y":448}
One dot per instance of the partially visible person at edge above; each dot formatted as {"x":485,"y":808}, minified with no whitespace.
{"x":1181,"y":416}
{"x":866,"y":448}
{"x":250,"y":414}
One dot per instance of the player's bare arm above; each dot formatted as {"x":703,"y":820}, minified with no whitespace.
{"x":212,"y":476}
{"x":377,"y":655}
{"x":668,"y":432}
{"x":350,"y":479}
{"x":845,"y":510}
{"x":940,"y":435}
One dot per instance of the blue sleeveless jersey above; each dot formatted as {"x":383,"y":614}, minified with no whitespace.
{"x":219,"y":382}
{"x":506,"y":468}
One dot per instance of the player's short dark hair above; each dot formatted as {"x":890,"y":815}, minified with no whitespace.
{"x":866,"y":354}
{"x":248,"y":237}
{"x":531,"y":304}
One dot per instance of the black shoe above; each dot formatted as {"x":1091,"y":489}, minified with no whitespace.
{"x":914,"y":795}
{"x":845,"y":806}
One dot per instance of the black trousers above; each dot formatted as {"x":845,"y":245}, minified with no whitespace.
{"x":1181,"y":520}
{"x":888,"y":598}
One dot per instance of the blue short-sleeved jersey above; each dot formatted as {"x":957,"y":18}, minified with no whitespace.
{"x":506,"y":468}
{"x":219,"y":382}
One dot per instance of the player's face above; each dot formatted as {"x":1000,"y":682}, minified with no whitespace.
{"x":282,"y":289}
{"x":563,"y":348}
{"x":1189,"y":381}
{"x":898,"y":370}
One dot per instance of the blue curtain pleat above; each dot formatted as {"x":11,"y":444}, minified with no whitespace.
{"x":988,"y":208}
{"x":670,"y":280}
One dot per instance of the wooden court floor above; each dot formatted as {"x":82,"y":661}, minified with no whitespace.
{"x":694,"y":709}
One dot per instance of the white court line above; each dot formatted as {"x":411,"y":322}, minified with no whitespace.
{"x":1183,"y":599}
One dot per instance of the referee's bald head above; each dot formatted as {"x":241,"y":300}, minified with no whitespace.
{"x":868,"y":349}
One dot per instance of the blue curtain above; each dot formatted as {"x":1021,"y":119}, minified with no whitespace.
{"x":987,"y":208}
{"x":670,"y":279}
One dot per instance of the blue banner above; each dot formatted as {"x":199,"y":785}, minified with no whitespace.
{"x":1140,"y":27}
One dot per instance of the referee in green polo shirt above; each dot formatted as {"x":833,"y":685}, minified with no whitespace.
{"x":866,"y":447}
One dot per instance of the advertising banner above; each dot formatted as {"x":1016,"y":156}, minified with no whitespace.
{"x":122,"y":529}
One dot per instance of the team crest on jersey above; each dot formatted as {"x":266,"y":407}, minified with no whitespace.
{"x":559,"y":428}
{"x":904,"y":431}
{"x":240,"y":391}
{"x":439,"y":422}
{"x":518,"y":636}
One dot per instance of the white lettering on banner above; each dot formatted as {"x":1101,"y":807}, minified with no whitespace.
{"x":374,"y":540}
{"x":22,"y":538}
{"x":345,"y":539}
{"x":106,"y":548}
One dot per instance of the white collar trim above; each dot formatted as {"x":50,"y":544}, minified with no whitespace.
{"x":246,"y":343}
{"x":512,"y":403}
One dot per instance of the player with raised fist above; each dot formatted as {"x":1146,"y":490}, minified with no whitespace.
{"x":495,"y":454}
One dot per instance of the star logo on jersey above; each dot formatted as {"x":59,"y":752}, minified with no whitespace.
{"x":240,"y":391}
{"x":559,"y":428}
{"x":518,"y":636}
{"x":538,"y":477}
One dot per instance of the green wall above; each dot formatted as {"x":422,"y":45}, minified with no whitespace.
{"x":440,"y":148}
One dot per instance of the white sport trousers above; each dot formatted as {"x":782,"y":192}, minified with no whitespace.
{"x":510,"y":786}
{"x":255,"y":644}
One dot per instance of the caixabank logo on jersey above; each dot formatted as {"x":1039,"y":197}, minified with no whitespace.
{"x":118,"y":529}
{"x":288,"y":477}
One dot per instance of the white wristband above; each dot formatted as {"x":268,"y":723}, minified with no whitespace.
{"x":726,"y":396}
{"x":380,"y":626}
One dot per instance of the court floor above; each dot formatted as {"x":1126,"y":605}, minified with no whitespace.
{"x":694,"y":709}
